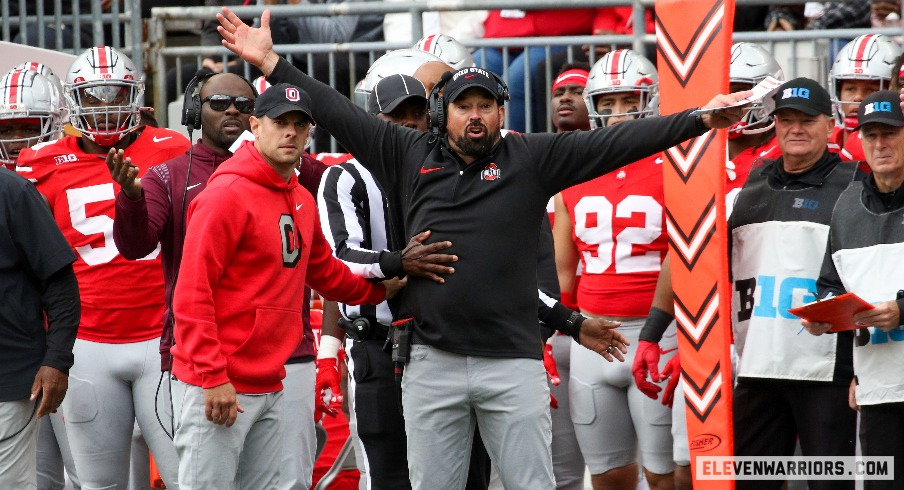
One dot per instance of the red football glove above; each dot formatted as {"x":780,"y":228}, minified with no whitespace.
{"x":646,"y":360}
{"x":672,"y":371}
{"x":550,"y":364}
{"x":327,"y":379}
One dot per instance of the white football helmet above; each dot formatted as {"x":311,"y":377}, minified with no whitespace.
{"x":47,"y":72}
{"x":398,"y":62}
{"x":622,"y":70}
{"x":750,"y":64}
{"x":27,"y":95}
{"x":867,"y":57}
{"x":104,"y":91}
{"x":447,"y":49}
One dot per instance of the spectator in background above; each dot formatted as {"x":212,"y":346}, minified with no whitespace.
{"x":462,"y":25}
{"x":523,"y":62}
{"x":608,"y":21}
{"x":815,"y":16}
{"x":885,"y":13}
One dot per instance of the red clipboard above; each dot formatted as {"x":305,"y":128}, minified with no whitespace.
{"x":837,"y":310}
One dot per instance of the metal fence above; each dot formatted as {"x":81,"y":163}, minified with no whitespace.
{"x":77,"y":24}
{"x":74,"y":25}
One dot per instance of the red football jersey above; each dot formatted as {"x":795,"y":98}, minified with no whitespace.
{"x":618,"y":223}
{"x":122,"y":300}
{"x":850,"y":150}
{"x":743,"y":164}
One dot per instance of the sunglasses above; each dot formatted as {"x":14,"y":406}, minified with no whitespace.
{"x":221,"y":102}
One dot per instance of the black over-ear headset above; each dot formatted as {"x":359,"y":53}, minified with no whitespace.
{"x":437,"y":102}
{"x":191,"y":103}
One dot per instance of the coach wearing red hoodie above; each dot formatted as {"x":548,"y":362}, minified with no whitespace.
{"x":253,"y":240}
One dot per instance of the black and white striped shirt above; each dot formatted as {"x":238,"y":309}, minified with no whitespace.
{"x":353,"y":217}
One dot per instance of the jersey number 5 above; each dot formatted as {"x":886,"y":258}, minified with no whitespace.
{"x":78,"y":200}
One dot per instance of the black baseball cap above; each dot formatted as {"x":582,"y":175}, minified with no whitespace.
{"x":282,"y":98}
{"x":883,"y":107}
{"x":475,"y":77}
{"x":392,"y":91}
{"x":804,"y":95}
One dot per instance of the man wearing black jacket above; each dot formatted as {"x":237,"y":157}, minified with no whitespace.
{"x":476,"y":357}
{"x":36,"y":277}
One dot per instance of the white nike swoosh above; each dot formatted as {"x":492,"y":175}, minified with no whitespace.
{"x":297,"y":207}
{"x":193,"y":186}
{"x":158,"y":140}
{"x":658,"y":160}
{"x":764,"y":153}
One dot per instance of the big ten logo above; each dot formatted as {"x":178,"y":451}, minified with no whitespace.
{"x":105,"y":75}
{"x":802,"y":203}
{"x":883,"y":106}
{"x":61,"y":159}
{"x":801,"y":92}
{"x":773,"y":302}
{"x":879,"y":336}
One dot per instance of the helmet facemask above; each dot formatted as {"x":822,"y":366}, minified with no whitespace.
{"x":617,"y":72}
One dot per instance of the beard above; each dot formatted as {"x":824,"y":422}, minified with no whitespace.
{"x":472,"y":147}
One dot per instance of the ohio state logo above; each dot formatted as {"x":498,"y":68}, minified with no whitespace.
{"x":491,"y":172}
{"x":292,"y":94}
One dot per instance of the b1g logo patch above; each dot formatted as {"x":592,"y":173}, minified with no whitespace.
{"x":491,"y":172}
{"x":292,"y":94}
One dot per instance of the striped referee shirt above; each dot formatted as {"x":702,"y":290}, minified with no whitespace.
{"x":354,"y":220}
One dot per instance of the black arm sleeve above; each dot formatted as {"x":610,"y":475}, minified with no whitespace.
{"x":60,"y":299}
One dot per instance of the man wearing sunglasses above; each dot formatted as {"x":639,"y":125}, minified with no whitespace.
{"x":152,"y":209}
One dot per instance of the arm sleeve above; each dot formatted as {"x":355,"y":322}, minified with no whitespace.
{"x":61,"y":303}
{"x":343,"y":221}
{"x":569,"y":158}
{"x":334,"y":281}
{"x":379,"y":145}
{"x":138,"y":224}
{"x":210,"y":241}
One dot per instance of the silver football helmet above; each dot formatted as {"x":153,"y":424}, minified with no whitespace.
{"x":622,"y":70}
{"x":398,"y":62}
{"x":47,"y":72}
{"x":750,"y":64}
{"x":867,"y":57}
{"x":447,"y":49}
{"x":104,"y":91}
{"x":27,"y":96}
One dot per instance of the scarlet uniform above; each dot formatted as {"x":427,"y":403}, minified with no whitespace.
{"x":122,"y":300}
{"x":850,"y":150}
{"x":618,"y":230}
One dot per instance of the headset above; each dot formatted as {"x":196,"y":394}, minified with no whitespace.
{"x":437,"y":102}
{"x":191,"y":102}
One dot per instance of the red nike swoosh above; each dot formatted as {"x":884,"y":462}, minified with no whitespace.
{"x":468,"y":76}
{"x":428,"y":170}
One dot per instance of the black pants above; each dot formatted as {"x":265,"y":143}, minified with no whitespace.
{"x":381,"y":426}
{"x":882,"y":434}
{"x":771,"y":415}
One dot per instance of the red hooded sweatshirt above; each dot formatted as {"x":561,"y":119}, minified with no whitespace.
{"x":253,"y":240}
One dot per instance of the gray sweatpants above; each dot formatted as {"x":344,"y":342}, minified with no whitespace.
{"x":110,"y":387}
{"x":17,"y":451}
{"x":54,"y":454}
{"x":244,"y":456}
{"x":445,"y":394}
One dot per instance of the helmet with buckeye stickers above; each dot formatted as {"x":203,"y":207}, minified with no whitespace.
{"x":27,"y":98}
{"x":750,"y":64}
